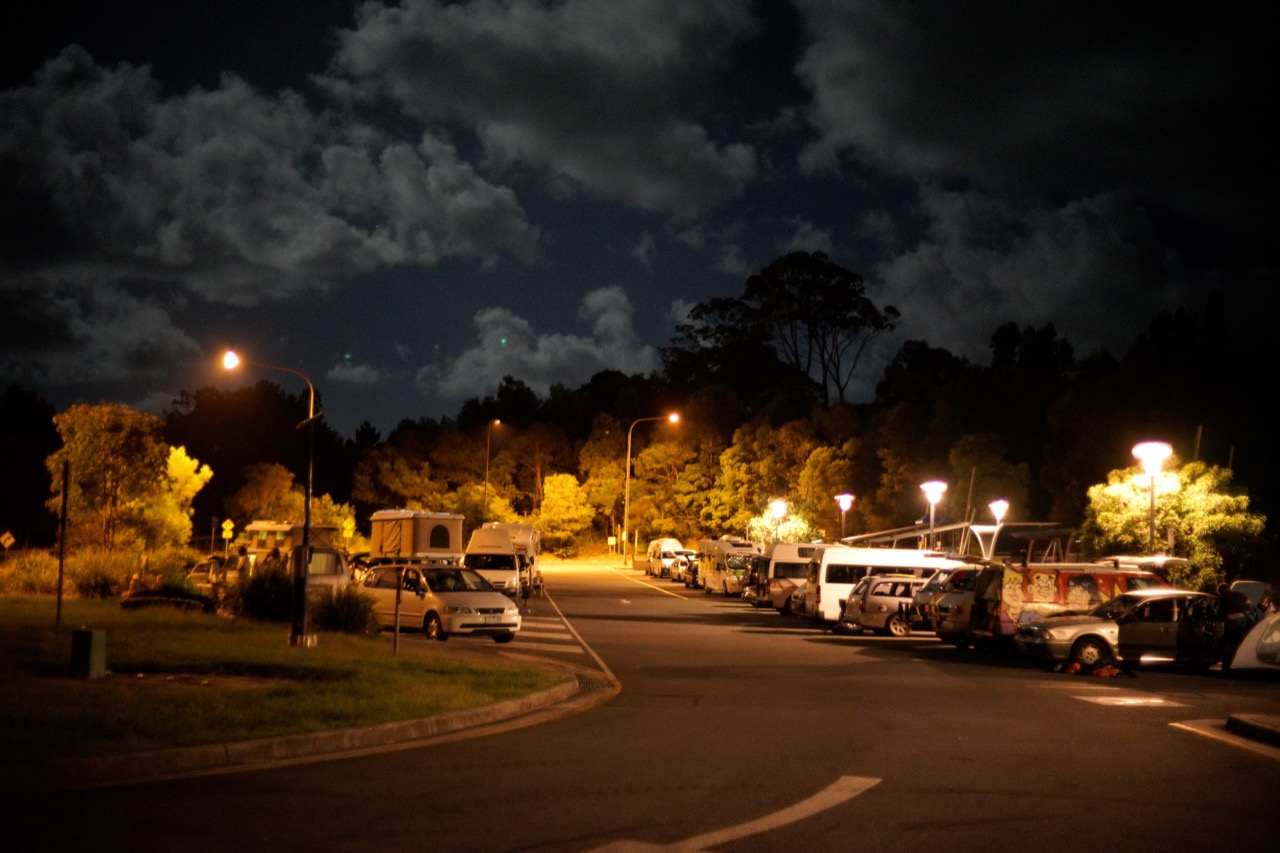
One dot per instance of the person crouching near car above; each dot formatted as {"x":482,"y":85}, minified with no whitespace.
{"x":1238,"y":615}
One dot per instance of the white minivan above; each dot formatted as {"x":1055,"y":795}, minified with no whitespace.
{"x":834,"y":569}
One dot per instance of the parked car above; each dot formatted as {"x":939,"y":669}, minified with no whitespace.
{"x":755,"y":587}
{"x":681,"y":563}
{"x":443,"y":601}
{"x":1165,"y":624}
{"x":848,"y":622}
{"x":788,"y":566}
{"x":884,"y":605}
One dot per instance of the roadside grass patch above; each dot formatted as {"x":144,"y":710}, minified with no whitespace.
{"x":179,"y":678}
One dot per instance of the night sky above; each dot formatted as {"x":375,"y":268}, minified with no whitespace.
{"x":409,"y":201}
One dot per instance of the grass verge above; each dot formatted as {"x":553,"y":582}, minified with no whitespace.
{"x":183,"y":679}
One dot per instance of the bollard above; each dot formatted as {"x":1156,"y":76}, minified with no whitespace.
{"x":89,"y":653}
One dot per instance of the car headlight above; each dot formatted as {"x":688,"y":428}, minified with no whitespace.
{"x":511,"y":611}
{"x":454,"y":609}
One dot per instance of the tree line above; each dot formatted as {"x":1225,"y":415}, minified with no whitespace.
{"x":761,"y":383}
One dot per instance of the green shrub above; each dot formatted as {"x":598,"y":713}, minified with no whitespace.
{"x":266,"y":596}
{"x":346,"y":609}
{"x":32,"y":572}
{"x":95,"y":573}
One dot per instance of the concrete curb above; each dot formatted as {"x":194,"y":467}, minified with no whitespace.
{"x":113,"y":770}
{"x":1264,"y":728}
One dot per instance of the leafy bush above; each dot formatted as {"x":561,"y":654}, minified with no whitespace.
{"x":95,"y":573}
{"x":266,"y":596}
{"x":345,"y":609}
{"x":29,"y":573}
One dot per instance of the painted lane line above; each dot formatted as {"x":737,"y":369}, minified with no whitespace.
{"x":843,"y":789}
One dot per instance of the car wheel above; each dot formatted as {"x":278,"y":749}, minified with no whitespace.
{"x":433,"y":628}
{"x":785,"y":609}
{"x":1089,"y":651}
{"x":896,"y":627}
{"x":504,"y":638}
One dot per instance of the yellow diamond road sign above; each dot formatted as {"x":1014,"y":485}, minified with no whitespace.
{"x":7,"y":540}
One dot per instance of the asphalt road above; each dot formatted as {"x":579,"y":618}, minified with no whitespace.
{"x":738,"y":729}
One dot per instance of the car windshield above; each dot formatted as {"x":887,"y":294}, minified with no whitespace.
{"x":456,"y":580}
{"x":961,"y":580}
{"x":1114,"y":608}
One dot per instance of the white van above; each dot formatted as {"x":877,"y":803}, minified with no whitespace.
{"x":788,"y":567}
{"x":834,"y":569}
{"x":491,"y":552}
{"x":662,"y":557}
{"x":527,"y":542}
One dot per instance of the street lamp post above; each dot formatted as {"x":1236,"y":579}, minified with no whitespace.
{"x":302,"y":554}
{"x":933,"y":493}
{"x":846,"y":503}
{"x":779,"y":511}
{"x":1152,"y":455}
{"x":998,"y":509}
{"x":674,"y":418}
{"x":488,"y":432}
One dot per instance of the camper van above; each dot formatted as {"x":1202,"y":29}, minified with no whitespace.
{"x":834,"y":569}
{"x":492,"y":553}
{"x":527,"y":542}
{"x":1002,"y":597}
{"x":403,"y":535}
{"x":327,"y":565}
{"x":722,"y":563}
{"x":788,"y":567}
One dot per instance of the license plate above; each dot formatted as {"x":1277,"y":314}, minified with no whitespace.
{"x":491,"y":620}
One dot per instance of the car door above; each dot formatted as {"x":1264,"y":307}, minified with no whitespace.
{"x":1150,"y":630}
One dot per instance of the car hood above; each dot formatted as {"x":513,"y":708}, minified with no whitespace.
{"x":1048,"y":622}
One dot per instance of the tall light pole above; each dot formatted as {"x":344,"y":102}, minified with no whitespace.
{"x":302,"y":554}
{"x":933,"y":493}
{"x":778,"y":509}
{"x":998,"y":509}
{"x":488,"y":433}
{"x":845,"y":501}
{"x":674,"y":418}
{"x":1152,"y":455}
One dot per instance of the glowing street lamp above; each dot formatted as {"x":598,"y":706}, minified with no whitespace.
{"x":778,"y":509}
{"x":933,"y":493}
{"x":674,"y":418}
{"x":488,"y":433}
{"x":846,"y":503}
{"x":1152,"y":455}
{"x":988,"y":533}
{"x":302,"y":554}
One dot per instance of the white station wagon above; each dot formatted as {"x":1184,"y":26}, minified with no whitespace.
{"x":443,"y":601}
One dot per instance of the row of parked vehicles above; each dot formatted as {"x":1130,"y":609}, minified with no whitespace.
{"x":1120,"y":610}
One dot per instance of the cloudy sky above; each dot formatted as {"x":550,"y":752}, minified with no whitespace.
{"x":408,"y":201}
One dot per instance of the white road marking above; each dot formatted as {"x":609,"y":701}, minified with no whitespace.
{"x":843,"y":789}
{"x":1131,"y":701}
{"x":1217,"y":730}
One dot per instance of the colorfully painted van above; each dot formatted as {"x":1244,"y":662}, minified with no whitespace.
{"x":1005,"y":596}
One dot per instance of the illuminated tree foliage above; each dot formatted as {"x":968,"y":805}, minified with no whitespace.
{"x":1199,"y":514}
{"x":127,"y":487}
{"x":565,"y":514}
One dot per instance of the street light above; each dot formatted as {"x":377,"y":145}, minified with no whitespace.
{"x":988,"y":533}
{"x":674,"y":418}
{"x":488,"y":430}
{"x":1152,"y":455}
{"x":779,"y":511}
{"x":302,"y":554}
{"x":846,"y":502}
{"x":933,"y":493}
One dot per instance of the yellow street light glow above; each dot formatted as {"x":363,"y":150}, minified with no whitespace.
{"x":998,"y":509}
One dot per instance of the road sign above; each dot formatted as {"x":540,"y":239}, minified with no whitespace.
{"x":7,"y":540}
{"x":227,"y":527}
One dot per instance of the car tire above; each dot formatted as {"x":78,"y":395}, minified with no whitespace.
{"x":434,"y":629}
{"x":1090,"y":651}
{"x":504,"y":638}
{"x":896,"y":626}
